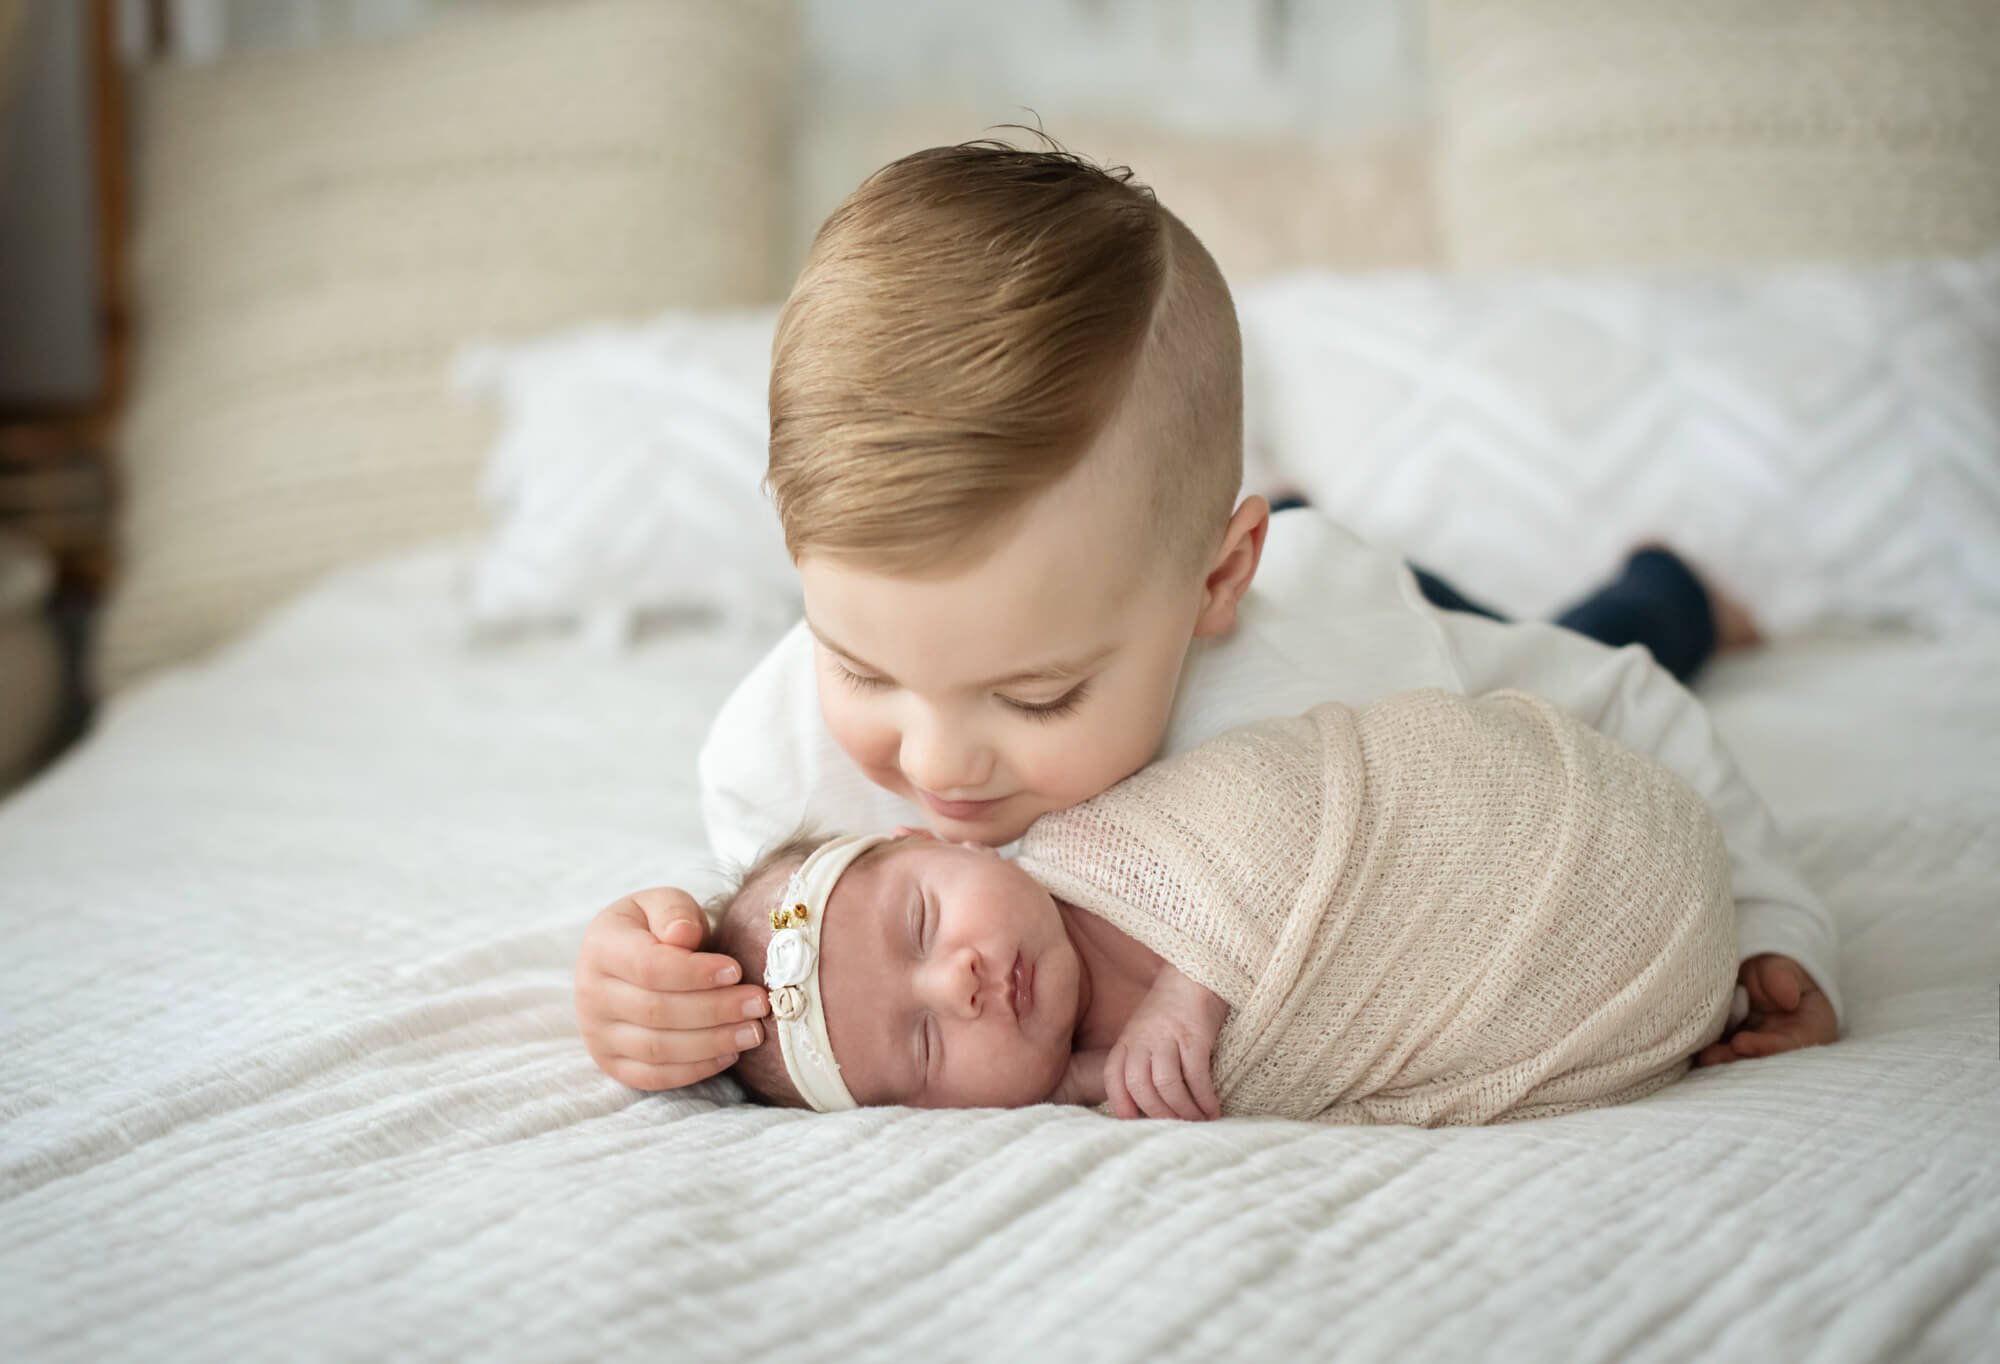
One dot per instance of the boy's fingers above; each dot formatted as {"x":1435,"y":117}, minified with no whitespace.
{"x":670,"y":914}
{"x":682,"y":933}
{"x":639,"y":1075}
{"x":637,"y":959}
{"x":620,"y":1001}
{"x":1752,"y":1044}
{"x":1774,"y":984}
{"x":654,"y":1047}
{"x":1788,"y":987}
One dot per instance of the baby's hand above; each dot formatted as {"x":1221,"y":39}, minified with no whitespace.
{"x":1082,"y":1081}
{"x":1159,"y":1067}
{"x":655,"y":1012}
{"x":1787,"y":1011}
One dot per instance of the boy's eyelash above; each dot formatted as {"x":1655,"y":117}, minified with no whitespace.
{"x":1052,"y":710}
{"x":858,"y":681}
{"x":1065,"y":704}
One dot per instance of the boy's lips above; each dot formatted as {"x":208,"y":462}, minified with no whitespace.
{"x":962,"y":810}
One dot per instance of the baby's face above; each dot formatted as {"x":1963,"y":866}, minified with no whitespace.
{"x":947,"y":978}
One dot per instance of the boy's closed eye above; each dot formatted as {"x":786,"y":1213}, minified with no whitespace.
{"x":1056,"y":708}
{"x":1065,"y":704}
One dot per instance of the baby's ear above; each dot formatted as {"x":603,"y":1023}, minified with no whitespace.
{"x":905,"y":831}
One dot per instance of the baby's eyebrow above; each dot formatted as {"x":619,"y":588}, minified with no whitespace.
{"x":1056,"y":671}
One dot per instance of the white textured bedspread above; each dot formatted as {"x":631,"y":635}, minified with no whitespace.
{"x":287,"y":1068}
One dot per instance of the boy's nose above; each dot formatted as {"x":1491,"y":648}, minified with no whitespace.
{"x":945,"y":765}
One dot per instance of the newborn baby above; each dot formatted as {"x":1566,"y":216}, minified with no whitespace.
{"x":1432,"y":910}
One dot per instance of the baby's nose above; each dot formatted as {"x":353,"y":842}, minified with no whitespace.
{"x":953,"y":985}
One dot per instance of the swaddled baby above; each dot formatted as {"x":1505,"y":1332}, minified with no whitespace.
{"x":1432,"y":910}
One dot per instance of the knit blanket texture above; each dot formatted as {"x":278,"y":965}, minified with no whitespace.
{"x":1434,"y":910}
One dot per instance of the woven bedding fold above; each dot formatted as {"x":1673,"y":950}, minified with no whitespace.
{"x":1432,"y":910}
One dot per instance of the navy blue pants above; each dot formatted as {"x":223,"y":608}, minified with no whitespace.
{"x":1655,"y":600}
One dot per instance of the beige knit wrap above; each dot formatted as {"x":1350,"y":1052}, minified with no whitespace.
{"x":1431,"y":910}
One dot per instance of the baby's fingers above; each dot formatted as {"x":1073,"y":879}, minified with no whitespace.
{"x":1115,"y":1092}
{"x":1139,"y":1082}
{"x":1201,"y":1084}
{"x":1171,"y":1085}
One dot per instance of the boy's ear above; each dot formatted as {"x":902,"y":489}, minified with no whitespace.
{"x":1235,"y":564}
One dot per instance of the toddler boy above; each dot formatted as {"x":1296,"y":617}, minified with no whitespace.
{"x":1006,"y":443}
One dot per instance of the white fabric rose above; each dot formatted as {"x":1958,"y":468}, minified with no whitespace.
{"x":788,"y":960}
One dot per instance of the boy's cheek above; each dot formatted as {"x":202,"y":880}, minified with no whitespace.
{"x":1090,"y":763}
{"x":873,"y":748}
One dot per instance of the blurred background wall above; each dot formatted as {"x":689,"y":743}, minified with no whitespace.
{"x":877,"y":77}
{"x":1118,"y":79}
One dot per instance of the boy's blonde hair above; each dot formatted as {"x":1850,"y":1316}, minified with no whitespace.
{"x":964,"y":327}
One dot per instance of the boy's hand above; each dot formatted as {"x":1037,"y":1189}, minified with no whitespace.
{"x":1787,"y":1011}
{"x":655,"y":1012}
{"x":1159,"y":1067}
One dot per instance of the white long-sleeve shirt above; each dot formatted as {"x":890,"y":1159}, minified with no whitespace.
{"x":1328,"y":618}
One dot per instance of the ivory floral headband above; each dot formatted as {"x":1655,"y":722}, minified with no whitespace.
{"x":791,"y":973}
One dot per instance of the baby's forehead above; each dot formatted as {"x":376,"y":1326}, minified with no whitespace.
{"x":862,"y":884}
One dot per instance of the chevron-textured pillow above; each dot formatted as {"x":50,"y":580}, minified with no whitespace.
{"x":627,"y":479}
{"x":1825,"y":441}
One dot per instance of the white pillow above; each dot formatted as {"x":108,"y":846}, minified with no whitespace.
{"x":1823,"y":441}
{"x":627,"y":477}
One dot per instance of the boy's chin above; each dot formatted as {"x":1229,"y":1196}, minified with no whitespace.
{"x":997,"y":832}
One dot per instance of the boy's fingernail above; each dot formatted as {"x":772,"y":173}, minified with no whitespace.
{"x":727,"y":1058}
{"x":747,"y":1035}
{"x":754,"y":1007}
{"x":728,"y":974}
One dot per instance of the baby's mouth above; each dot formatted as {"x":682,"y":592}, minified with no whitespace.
{"x":1021,"y":987}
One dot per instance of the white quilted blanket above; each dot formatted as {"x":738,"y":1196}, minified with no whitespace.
{"x":289,"y":1069}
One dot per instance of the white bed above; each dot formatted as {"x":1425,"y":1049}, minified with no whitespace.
{"x":290,"y":1066}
